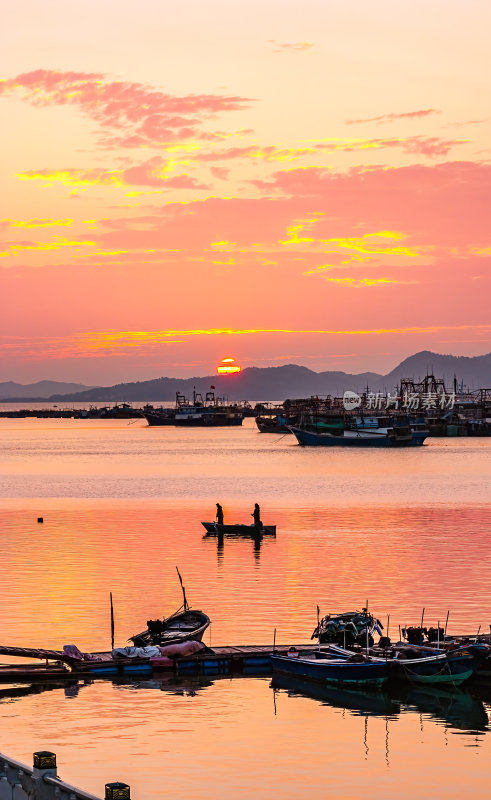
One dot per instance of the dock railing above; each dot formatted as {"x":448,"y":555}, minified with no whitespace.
{"x":41,"y":782}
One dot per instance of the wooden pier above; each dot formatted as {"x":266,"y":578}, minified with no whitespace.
{"x":240,"y":659}
{"x":231,"y":660}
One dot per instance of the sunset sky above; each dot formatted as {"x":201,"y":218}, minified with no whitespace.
{"x":277,"y":182}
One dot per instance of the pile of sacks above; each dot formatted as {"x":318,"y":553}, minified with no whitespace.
{"x":160,"y":656}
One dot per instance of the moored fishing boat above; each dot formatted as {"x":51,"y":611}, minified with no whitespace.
{"x":208,"y":412}
{"x":348,"y":628}
{"x":396,"y":436}
{"x":417,"y":665}
{"x":356,"y":672}
{"x":182,"y":626}
{"x":443,"y":668}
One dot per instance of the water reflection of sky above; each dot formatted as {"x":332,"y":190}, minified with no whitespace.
{"x":122,"y":507}
{"x":286,"y":732}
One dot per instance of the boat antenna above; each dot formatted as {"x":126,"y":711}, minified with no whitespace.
{"x":318,"y":627}
{"x":183,"y":591}
{"x":112,"y":620}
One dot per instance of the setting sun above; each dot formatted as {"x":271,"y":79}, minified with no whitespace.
{"x":227,"y":366}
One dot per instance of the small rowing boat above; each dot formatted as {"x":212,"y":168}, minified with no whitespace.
{"x":183,"y":626}
{"x":240,"y":530}
{"x":417,"y":665}
{"x":356,"y":672}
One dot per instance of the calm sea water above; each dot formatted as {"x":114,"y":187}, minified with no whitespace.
{"x":122,"y":504}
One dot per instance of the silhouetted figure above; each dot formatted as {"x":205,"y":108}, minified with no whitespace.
{"x":219,"y":516}
{"x":256,"y":514}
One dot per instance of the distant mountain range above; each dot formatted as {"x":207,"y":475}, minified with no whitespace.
{"x":262,"y":383}
{"x":41,"y":389}
{"x":291,"y":380}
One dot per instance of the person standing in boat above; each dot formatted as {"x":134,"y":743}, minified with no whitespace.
{"x":219,"y":517}
{"x":256,"y":514}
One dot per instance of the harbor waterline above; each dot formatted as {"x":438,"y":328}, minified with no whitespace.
{"x":122,"y":506}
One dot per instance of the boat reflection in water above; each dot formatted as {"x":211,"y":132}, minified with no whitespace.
{"x":454,"y":708}
{"x":374,"y":703}
{"x":171,"y":684}
{"x":242,"y":532}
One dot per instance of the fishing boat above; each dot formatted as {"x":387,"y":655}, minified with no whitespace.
{"x":274,"y":423}
{"x":348,"y":628}
{"x":326,"y":436}
{"x":213,"y":528}
{"x":420,"y":664}
{"x":357,"y":671}
{"x":208,"y":412}
{"x":183,"y":626}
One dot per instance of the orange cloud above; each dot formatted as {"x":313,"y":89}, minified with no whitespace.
{"x":14,"y":248}
{"x":104,"y":344}
{"x":154,"y":172}
{"x":114,"y":339}
{"x":34,"y":223}
{"x":358,"y":283}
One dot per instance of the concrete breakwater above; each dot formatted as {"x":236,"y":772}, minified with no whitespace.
{"x":41,"y":781}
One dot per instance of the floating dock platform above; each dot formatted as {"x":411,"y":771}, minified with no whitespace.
{"x":232,"y":660}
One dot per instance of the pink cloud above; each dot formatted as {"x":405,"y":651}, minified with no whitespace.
{"x":133,"y":113}
{"x":447,"y":204}
{"x":290,"y":47}
{"x":185,"y":182}
{"x":220,"y":172}
{"x":391,"y":117}
{"x":422,"y":145}
{"x":430,"y":146}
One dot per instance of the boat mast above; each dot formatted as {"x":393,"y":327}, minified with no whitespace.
{"x":183,"y":591}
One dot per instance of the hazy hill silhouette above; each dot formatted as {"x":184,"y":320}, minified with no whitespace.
{"x":291,"y":380}
{"x":10,"y":389}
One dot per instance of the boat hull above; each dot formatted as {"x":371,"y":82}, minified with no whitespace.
{"x":271,"y":425}
{"x":450,"y":670}
{"x":239,"y":530}
{"x":355,"y":439}
{"x":198,"y":420}
{"x":332,"y":671}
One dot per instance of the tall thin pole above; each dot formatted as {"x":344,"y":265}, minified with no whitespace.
{"x":438,"y":635}
{"x":112,"y":621}
{"x":446,"y":623}
{"x":183,"y":591}
{"x":274,"y":641}
{"x":318,"y":628}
